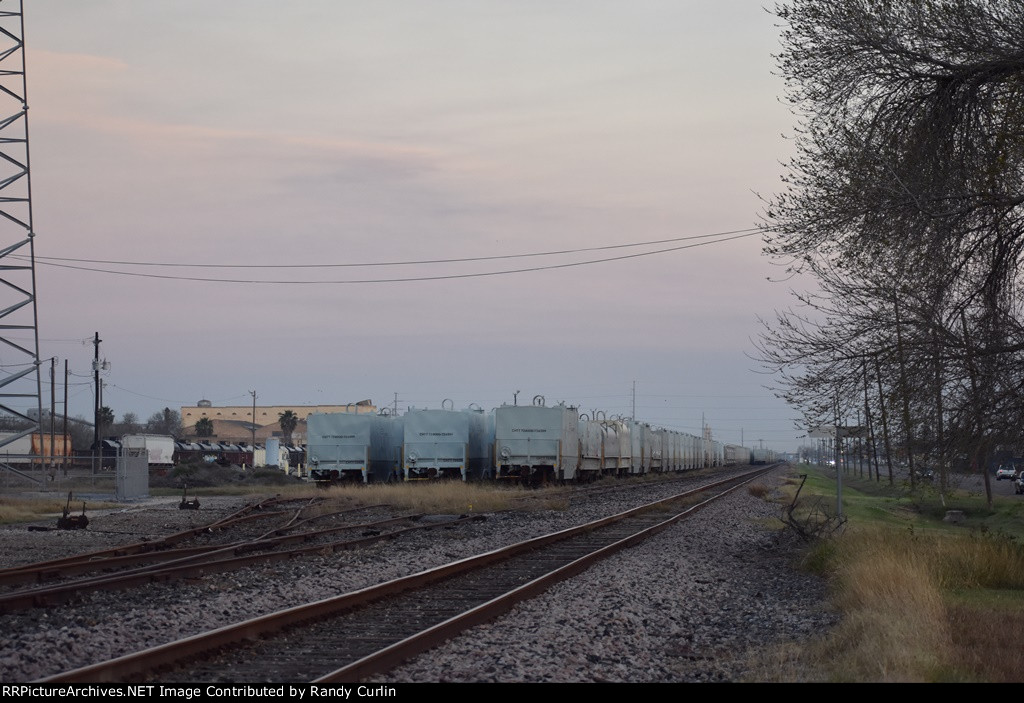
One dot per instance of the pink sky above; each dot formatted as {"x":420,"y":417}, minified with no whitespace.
{"x":249,"y":133}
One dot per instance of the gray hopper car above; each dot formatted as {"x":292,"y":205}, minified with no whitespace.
{"x":536,"y":442}
{"x":736,"y":455}
{"x":354,"y":447}
{"x":527,"y":442}
{"x":617,"y":448}
{"x":447,"y":444}
{"x":592,"y":447}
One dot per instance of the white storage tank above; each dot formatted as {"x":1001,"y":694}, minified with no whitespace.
{"x":272,"y":456}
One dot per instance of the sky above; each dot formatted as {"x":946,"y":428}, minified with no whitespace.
{"x":282,"y":144}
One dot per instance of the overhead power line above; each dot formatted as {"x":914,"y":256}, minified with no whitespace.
{"x":179,"y":264}
{"x":481,"y":274}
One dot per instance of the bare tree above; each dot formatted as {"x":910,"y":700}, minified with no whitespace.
{"x":905,"y":204}
{"x":167,"y":422}
{"x":909,"y":145}
{"x":129,"y":425}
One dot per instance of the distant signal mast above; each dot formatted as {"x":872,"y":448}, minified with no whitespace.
{"x":21,"y":390}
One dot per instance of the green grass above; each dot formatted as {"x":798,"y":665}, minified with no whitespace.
{"x":896,"y":506}
{"x":1009,"y":599}
{"x":921,"y":599}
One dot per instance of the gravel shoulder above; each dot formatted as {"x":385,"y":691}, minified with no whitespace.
{"x":685,"y":606}
{"x":689,"y":605}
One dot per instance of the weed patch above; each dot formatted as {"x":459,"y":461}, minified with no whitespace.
{"x":14,"y":509}
{"x":445,"y":497}
{"x":758,"y":490}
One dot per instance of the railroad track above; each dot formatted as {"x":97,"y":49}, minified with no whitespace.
{"x":201,"y":561}
{"x":165,"y":549}
{"x":373,"y":629}
{"x":37,"y":570}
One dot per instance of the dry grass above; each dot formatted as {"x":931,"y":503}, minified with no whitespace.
{"x":787,"y":490}
{"x":988,"y":644}
{"x":449,"y":497}
{"x":758,"y":490}
{"x":788,"y":662}
{"x":14,"y":509}
{"x":976,"y":562}
{"x":445,"y":497}
{"x":895,"y":627}
{"x":915,"y":609}
{"x":296,"y":490}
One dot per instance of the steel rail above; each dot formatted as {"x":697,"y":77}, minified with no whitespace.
{"x":147,"y":661}
{"x":197,"y":566}
{"x":393,"y":655}
{"x":240,"y":515}
{"x":16,"y":574}
{"x":114,"y":556}
{"x":185,"y":554}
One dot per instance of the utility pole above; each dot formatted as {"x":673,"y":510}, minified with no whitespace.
{"x":253,"y":394}
{"x":96,"y":410}
{"x":634,"y":401}
{"x":64,"y":439}
{"x":53,"y":404}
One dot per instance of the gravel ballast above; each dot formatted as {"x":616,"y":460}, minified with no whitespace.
{"x":687,"y":605}
{"x":684,"y":606}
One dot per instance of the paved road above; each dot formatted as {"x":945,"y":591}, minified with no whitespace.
{"x":968,"y":482}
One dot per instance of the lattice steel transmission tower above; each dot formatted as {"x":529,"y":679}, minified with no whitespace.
{"x":20,"y":382}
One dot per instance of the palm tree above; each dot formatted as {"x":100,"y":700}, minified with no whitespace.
{"x":204,"y":427}
{"x":288,"y":421}
{"x":104,"y":420}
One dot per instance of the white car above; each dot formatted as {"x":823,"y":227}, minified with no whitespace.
{"x":1005,"y":472}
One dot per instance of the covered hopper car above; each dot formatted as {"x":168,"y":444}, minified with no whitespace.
{"x":531,"y":443}
{"x":447,"y":443}
{"x":354,"y":447}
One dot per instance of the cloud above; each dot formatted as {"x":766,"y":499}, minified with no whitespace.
{"x":87,"y":93}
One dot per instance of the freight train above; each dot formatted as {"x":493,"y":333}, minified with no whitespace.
{"x":227,"y":454}
{"x":165,"y":452}
{"x":532,"y":443}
